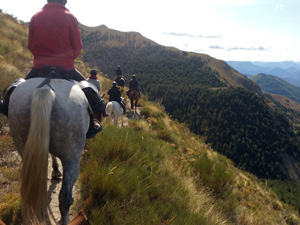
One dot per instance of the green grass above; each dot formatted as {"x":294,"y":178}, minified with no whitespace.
{"x":288,"y":192}
{"x":157,"y":172}
{"x":125,"y":181}
{"x":10,"y":211}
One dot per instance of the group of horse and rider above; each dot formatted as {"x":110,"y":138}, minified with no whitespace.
{"x":117,"y":88}
{"x":52,"y":109}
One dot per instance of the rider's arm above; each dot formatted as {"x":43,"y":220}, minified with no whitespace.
{"x":75,"y":36}
{"x":30,"y":37}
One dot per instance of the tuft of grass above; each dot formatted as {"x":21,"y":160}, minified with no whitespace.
{"x":9,"y":181}
{"x":215,"y":175}
{"x":126,"y":180}
{"x":10,"y":207}
{"x":130,"y":174}
{"x":151,"y":109}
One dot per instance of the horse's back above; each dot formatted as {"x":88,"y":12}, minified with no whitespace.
{"x":114,"y":108}
{"x":69,"y":117}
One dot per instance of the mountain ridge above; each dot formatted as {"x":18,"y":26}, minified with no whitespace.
{"x":274,"y":85}
{"x":286,"y":70}
{"x":103,"y":36}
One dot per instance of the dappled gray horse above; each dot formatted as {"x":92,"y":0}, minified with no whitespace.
{"x":51,"y":119}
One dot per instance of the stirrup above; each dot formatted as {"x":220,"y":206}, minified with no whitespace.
{"x":93,"y":131}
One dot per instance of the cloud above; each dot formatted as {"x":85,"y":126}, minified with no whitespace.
{"x":238,"y":48}
{"x":192,"y":36}
{"x":236,"y":2}
{"x":279,"y":7}
{"x":247,"y":49}
{"x":215,"y":47}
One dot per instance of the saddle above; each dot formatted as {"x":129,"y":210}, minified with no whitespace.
{"x":90,"y":91}
{"x":54,"y":72}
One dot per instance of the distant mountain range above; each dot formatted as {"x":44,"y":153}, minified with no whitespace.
{"x":286,"y":70}
{"x":275,"y":85}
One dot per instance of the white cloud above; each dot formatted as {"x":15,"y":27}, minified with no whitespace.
{"x":236,"y":2}
{"x":280,"y":7}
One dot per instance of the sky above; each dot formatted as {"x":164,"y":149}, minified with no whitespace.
{"x":238,"y":30}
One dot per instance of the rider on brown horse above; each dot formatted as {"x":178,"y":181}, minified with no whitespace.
{"x":133,"y":85}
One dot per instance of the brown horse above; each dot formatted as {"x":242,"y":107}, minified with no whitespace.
{"x":133,"y":95}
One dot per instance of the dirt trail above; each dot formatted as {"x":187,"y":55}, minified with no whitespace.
{"x":132,"y":116}
{"x":54,"y":185}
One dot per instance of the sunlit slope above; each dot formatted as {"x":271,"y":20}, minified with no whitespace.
{"x":157,"y":172}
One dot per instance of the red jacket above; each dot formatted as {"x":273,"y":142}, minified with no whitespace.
{"x":54,"y":37}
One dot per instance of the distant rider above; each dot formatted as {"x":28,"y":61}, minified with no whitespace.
{"x":115,"y":95}
{"x":118,"y":71}
{"x":133,"y":85}
{"x":120,"y":79}
{"x":94,"y":80}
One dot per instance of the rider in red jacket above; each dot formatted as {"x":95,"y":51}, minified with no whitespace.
{"x":54,"y":39}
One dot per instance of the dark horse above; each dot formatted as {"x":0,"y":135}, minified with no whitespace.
{"x":133,"y":95}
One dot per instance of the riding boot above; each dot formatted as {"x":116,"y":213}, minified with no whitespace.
{"x":93,"y":130}
{"x":5,"y":102}
{"x":96,"y":103}
{"x":123,"y":104}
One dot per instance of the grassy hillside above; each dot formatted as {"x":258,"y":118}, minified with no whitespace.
{"x":157,"y":172}
{"x":275,"y":85}
{"x":240,"y":125}
{"x":154,"y":171}
{"x":15,"y":58}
